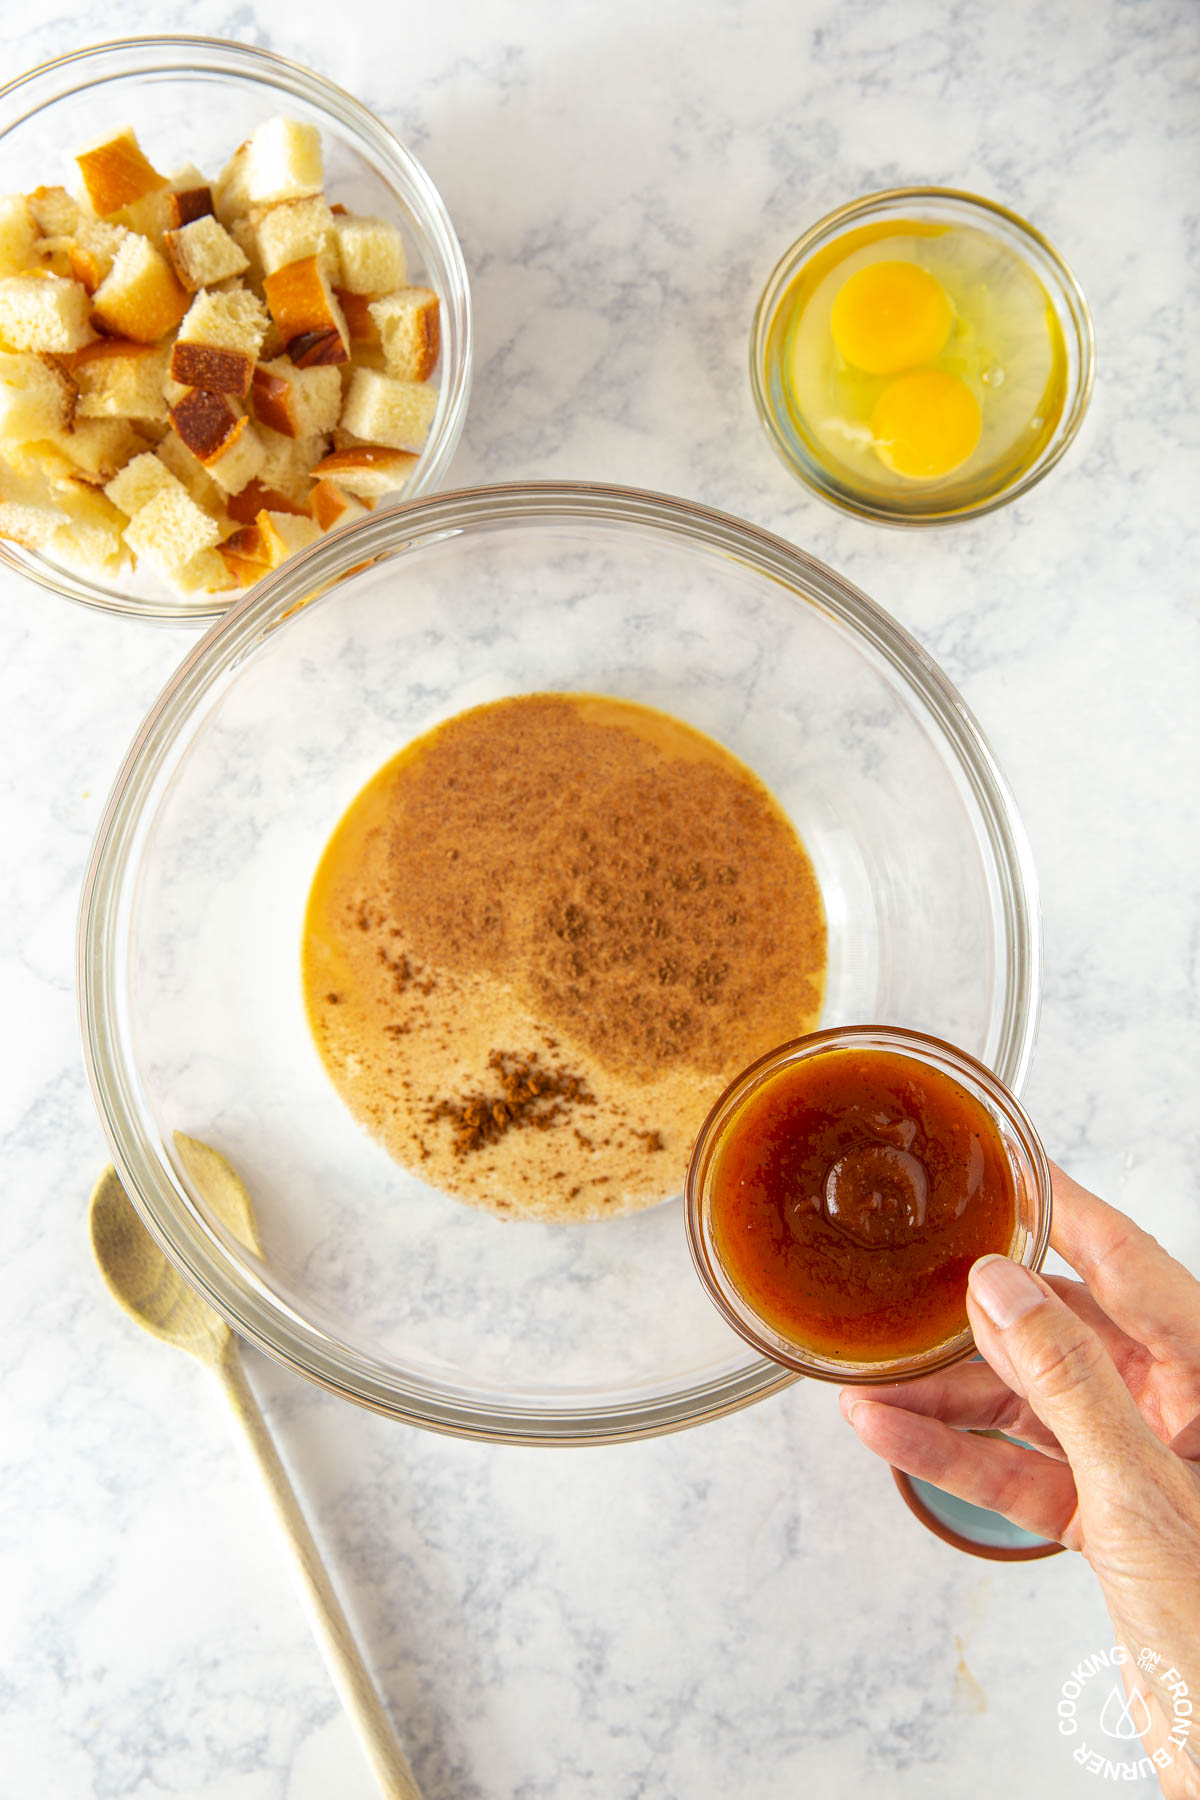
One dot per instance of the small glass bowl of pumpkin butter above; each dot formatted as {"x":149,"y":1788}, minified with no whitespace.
{"x":841,"y":1189}
{"x":921,"y":355}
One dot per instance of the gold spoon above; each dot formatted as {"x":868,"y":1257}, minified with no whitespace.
{"x":152,"y":1291}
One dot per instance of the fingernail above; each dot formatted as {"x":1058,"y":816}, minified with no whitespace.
{"x":1004,"y":1289}
{"x":848,"y":1402}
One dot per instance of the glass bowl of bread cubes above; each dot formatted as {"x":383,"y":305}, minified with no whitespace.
{"x":234,"y":316}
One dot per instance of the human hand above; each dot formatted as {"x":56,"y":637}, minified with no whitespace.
{"x":1102,"y":1378}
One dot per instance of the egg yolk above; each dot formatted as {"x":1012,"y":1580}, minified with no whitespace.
{"x":890,"y":316}
{"x":925,"y":424}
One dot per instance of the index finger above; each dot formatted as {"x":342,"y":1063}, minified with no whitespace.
{"x":1035,"y":1491}
{"x":1142,"y":1289}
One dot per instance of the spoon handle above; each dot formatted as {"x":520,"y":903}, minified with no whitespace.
{"x":350,"y":1676}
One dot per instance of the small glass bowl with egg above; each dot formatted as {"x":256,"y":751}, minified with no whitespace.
{"x":921,"y":355}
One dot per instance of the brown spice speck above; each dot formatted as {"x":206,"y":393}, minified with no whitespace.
{"x":529,"y":1096}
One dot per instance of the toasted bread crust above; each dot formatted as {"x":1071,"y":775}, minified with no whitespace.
{"x":271,"y":397}
{"x":212,"y":367}
{"x":116,"y":173}
{"x":357,"y":308}
{"x":367,"y":470}
{"x":205,"y":421}
{"x":255,"y":498}
{"x":364,"y":456}
{"x":303,"y":307}
{"x":188,"y":204}
{"x":318,"y":349}
{"x":330,"y":506}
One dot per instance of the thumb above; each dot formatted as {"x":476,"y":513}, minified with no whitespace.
{"x":1048,"y":1354}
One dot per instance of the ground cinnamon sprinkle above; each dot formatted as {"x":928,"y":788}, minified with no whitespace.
{"x":529,"y":1096}
{"x":649,"y":897}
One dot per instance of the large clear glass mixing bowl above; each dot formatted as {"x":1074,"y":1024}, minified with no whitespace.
{"x":370,"y":1282}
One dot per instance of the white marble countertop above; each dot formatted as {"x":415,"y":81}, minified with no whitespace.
{"x":744,"y":1609}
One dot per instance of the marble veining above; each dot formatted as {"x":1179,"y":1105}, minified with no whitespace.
{"x":745,"y":1608}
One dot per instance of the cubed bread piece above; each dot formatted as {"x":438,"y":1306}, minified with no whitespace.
{"x":239,"y":460}
{"x":54,"y":257}
{"x":89,"y":536}
{"x":184,"y":205}
{"x":155,"y":213}
{"x":210,"y":366}
{"x":236,"y":321}
{"x":310,"y":321}
{"x":242,"y":574}
{"x":18,"y":235}
{"x":366,"y":356}
{"x":30,"y":523}
{"x":331,"y":506}
{"x":116,"y":173}
{"x":153,"y":430}
{"x":55,"y":213}
{"x":288,"y":463}
{"x":318,"y":349}
{"x":118,"y":379}
{"x":36,"y":398}
{"x":245,"y":506}
{"x":43,"y":461}
{"x":98,"y":448}
{"x":244,"y":554}
{"x":93,"y":251}
{"x":204,"y":574}
{"x":203,"y":252}
{"x":176,"y":456}
{"x":283,"y":162}
{"x":297,"y":229}
{"x":206,"y":422}
{"x":382,"y":410}
{"x":142,"y":479}
{"x":221,"y":438}
{"x":272,"y":344}
{"x":284,"y":532}
{"x":231,"y":198}
{"x":407,"y":322}
{"x":367,"y":470}
{"x":371,"y":253}
{"x":44,"y":312}
{"x":361,"y":326}
{"x":245,"y":235}
{"x":297,"y":402}
{"x":139,"y":298}
{"x":29,"y":510}
{"x":92,"y":450}
{"x":170,"y":529}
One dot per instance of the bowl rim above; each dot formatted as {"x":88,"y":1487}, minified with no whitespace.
{"x":832,"y":225}
{"x":920,"y":1046}
{"x":252,"y":1312}
{"x":160,"y":53}
{"x":920,"y":1509}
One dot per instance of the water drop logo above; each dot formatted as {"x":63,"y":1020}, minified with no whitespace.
{"x":1125,"y":1715}
{"x":1134,"y":1732}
